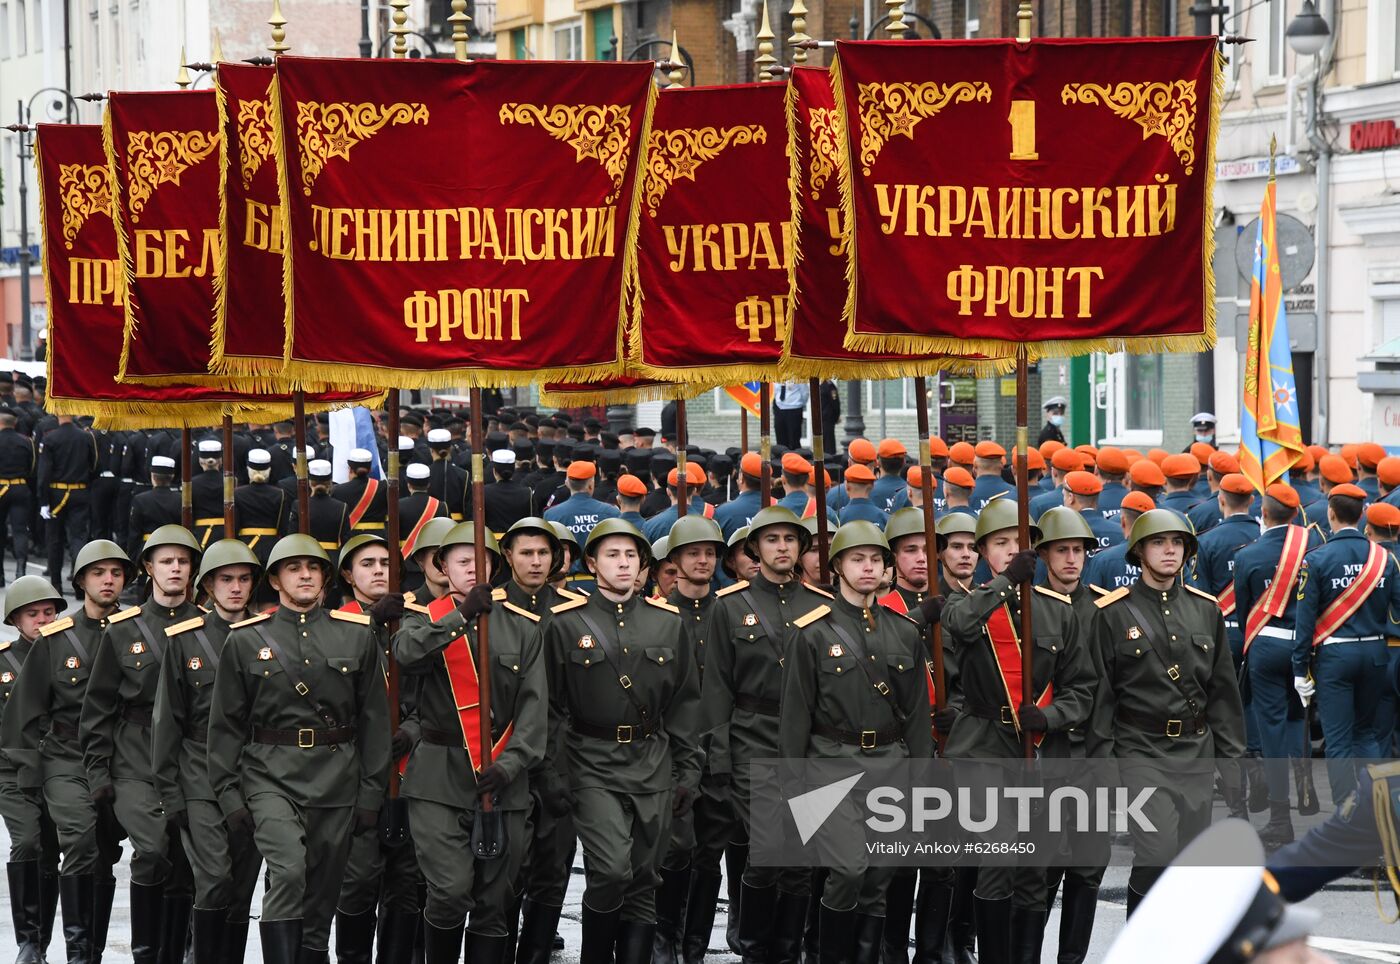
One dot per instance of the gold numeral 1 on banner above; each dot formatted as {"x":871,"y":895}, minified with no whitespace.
{"x":1023,"y":130}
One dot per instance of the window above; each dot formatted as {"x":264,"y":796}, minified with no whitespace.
{"x":568,"y":41}
{"x":601,"y":20}
{"x":1134,"y":399}
{"x":4,"y":30}
{"x":894,"y":395}
{"x":1276,"y":44}
{"x":39,"y":26}
{"x":21,"y":28}
{"x":517,"y":44}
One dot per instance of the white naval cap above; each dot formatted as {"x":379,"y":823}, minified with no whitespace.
{"x":259,"y":457}
{"x":1215,"y":904}
{"x":439,"y":436}
{"x":502,"y":457}
{"x":162,"y":462}
{"x":417,"y":471}
{"x":1203,"y":418}
{"x":210,"y":446}
{"x":359,"y":457}
{"x":405,"y":443}
{"x":1058,"y":401}
{"x":318,"y":469}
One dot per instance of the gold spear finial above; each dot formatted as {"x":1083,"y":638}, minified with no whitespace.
{"x":798,"y":13}
{"x":278,"y":23}
{"x":399,"y":30}
{"x":677,"y":71}
{"x":459,"y":20}
{"x":765,"y":61}
{"x":896,"y":25}
{"x":182,"y":79}
{"x":1023,"y":22}
{"x":218,"y":53}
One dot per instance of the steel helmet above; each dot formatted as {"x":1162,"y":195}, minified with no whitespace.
{"x":100,"y":550}
{"x":355,"y":543}
{"x":172,"y":535}
{"x":860,"y":533}
{"x":534,"y":525}
{"x":567,"y":540}
{"x":1001,"y":514}
{"x":227,"y":552}
{"x":617,"y":527}
{"x":775,"y":515}
{"x":464,"y":534}
{"x":1061,"y":523}
{"x":695,"y":530}
{"x":432,"y":533}
{"x":736,"y":541}
{"x":951,"y":523}
{"x":658,"y":548}
{"x":1158,"y":522}
{"x":908,"y":521}
{"x":295,"y":546}
{"x":28,"y":590}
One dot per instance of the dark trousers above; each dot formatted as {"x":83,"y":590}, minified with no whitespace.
{"x":16,"y":506}
{"x":1271,"y":680}
{"x":1350,"y":680}
{"x":787,"y":426}
{"x":102,"y":523}
{"x":67,"y":528}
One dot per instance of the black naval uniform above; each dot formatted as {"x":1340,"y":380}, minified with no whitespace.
{"x":67,"y":460}
{"x":150,"y":510}
{"x":373,"y":516}
{"x":507,"y":502}
{"x":17,"y":466}
{"x":207,"y":498}
{"x":261,"y":509}
{"x":329,"y":523}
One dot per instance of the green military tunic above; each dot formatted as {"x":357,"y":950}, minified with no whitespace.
{"x":224,"y":877}
{"x":115,"y":728}
{"x":630,"y":704}
{"x":440,"y":783}
{"x":298,"y":771}
{"x":20,"y":806}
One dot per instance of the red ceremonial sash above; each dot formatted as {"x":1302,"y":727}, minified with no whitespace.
{"x":361,"y":507}
{"x":429,"y":511}
{"x":1006,"y":646}
{"x":460,"y":662}
{"x":1226,"y":599}
{"x":1341,"y":608}
{"x":1275,"y":598}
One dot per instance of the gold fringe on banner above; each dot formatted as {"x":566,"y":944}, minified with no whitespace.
{"x":622,"y":396}
{"x":793,"y":117}
{"x":128,"y":271}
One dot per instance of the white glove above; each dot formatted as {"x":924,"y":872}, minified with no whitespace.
{"x":1305,"y":688}
{"x":44,"y":513}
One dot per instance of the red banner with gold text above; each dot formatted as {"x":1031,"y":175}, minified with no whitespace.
{"x":458,"y":222}
{"x":1056,"y":193}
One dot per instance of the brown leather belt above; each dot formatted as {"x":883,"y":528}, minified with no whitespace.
{"x":306,"y":737}
{"x":865,"y":739}
{"x":447,"y":737}
{"x":624,"y":733}
{"x":985,"y":711}
{"x":756,"y":704}
{"x":1161,"y":725}
{"x":140,"y":715}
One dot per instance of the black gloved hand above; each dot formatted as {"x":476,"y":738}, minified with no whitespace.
{"x":683,"y":800}
{"x":388,"y":610}
{"x":179,"y":819}
{"x":476,"y":602}
{"x":944,"y":719}
{"x":1032,"y":718}
{"x":400,"y":744}
{"x":492,"y":781}
{"x":365,"y":821}
{"x":240,"y":823}
{"x":103,"y":795}
{"x":1022,"y":567}
{"x":931,"y":609}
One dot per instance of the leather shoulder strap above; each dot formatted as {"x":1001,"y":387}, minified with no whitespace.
{"x":610,"y":653}
{"x":290,"y":668}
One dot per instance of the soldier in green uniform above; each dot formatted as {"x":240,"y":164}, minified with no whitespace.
{"x":1168,"y":693}
{"x":854,"y":687}
{"x":225,"y":872}
{"x":742,"y":689}
{"x":299,"y":746}
{"x":983,"y":629}
{"x":622,"y":680}
{"x":115,"y":731}
{"x":40,"y":737}
{"x":448,"y":774}
{"x":30,"y":604}
{"x":422,"y":552}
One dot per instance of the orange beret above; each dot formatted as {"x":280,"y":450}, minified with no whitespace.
{"x":1285,"y":494}
{"x":861,"y":450}
{"x":1067,"y":460}
{"x":937,"y":448}
{"x":958,"y":476}
{"x":1347,"y":489}
{"x":1237,"y":484}
{"x":1084,"y":483}
{"x":1112,"y":460}
{"x":1133,"y":455}
{"x":860,"y":473}
{"x":1049,"y":447}
{"x":891,"y":448}
{"x":582,"y":470}
{"x":631,"y":486}
{"x":1146,"y":474}
{"x":751,"y":464}
{"x":1088,"y":450}
{"x":989,"y":450}
{"x":1370,"y":454}
{"x":1138,"y":502}
{"x":1349,"y":454}
{"x":1223,"y":463}
{"x":794,"y":464}
{"x":812,"y":477}
{"x":1202,"y":451}
{"x":1157,"y":455}
{"x":694,"y":475}
{"x":1383,"y":514}
{"x":962,"y":452}
{"x":1034,"y":460}
{"x":1334,"y":469}
{"x":1388,"y":470}
{"x":1317,"y":452}
{"x":1305,"y":462}
{"x":1180,"y":466}
{"x":915,"y":476}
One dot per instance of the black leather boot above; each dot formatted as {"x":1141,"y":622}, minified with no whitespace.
{"x":1258,"y":783}
{"x":1027,"y":933}
{"x":235,"y":944}
{"x":869,"y":943}
{"x":396,"y":932}
{"x":836,"y":936}
{"x":1134,"y":898}
{"x":932,"y":910}
{"x":635,"y":940}
{"x":209,"y":926}
{"x":789,"y":926}
{"x":670,"y":914}
{"x":281,"y":941}
{"x":538,"y":922}
{"x":736,"y":858}
{"x":1077,"y":909}
{"x":1307,"y":789}
{"x":962,"y":919}
{"x":600,"y":931}
{"x":24,"y":909}
{"x":756,"y":923}
{"x":512,"y":928}
{"x":993,"y":919}
{"x":145,"y":922}
{"x":354,"y":937}
{"x":48,"y":910}
{"x":485,"y":950}
{"x":899,"y":908}
{"x":174,"y":927}
{"x":442,"y":945}
{"x":313,"y":955}
{"x":75,"y":894}
{"x":700,"y":907}
{"x":1279,"y":830}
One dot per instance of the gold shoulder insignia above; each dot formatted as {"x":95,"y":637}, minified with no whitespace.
{"x":818,"y":590}
{"x":1202,"y":594}
{"x":57,"y":626}
{"x":248,"y":622}
{"x":410,"y":597}
{"x":179,"y":628}
{"x":570,"y":594}
{"x":911,"y":619}
{"x":361,"y":618}
{"x":414,"y":607}
{"x":124,"y":614}
{"x":741,"y":584}
{"x":1117,"y":594}
{"x":1053,"y":594}
{"x":498,"y":594}
{"x":662,"y":604}
{"x":6,"y":645}
{"x":564,"y":607}
{"x":1097,"y":590}
{"x":807,"y":619}
{"x":523,"y":612}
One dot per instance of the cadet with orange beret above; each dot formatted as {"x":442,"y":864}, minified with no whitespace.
{"x":1146,"y":477}
{"x":859,"y":480}
{"x":1207,"y":514}
{"x":1112,"y":466}
{"x":1082,"y":491}
{"x":660,"y":524}
{"x":1181,"y":471}
{"x":1301,"y":477}
{"x":1062,"y":463}
{"x":579,"y":513}
{"x":1110,"y":569}
{"x":1368,"y":457}
{"x":989,"y":459}
{"x":957,"y":490}
{"x":1388,"y":474}
{"x":962,"y":453}
{"x":736,"y":513}
{"x":1334,"y":472}
{"x":888,"y":493}
{"x":860,"y":451}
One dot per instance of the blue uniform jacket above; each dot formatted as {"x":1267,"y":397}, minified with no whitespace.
{"x":660,"y":524}
{"x":1111,"y":499}
{"x":1315,"y":514}
{"x":1327,"y":571}
{"x":889,"y":493}
{"x":1108,"y":533}
{"x":1214,"y":566}
{"x":579,"y":513}
{"x":736,"y":513}
{"x":1255,"y":566}
{"x":862,"y":509}
{"x":1111,"y":570}
{"x":1041,"y":504}
{"x":1371,"y":486}
{"x":987,"y":487}
{"x":1182,"y":502}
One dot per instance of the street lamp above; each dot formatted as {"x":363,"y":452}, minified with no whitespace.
{"x":1307,"y":33}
